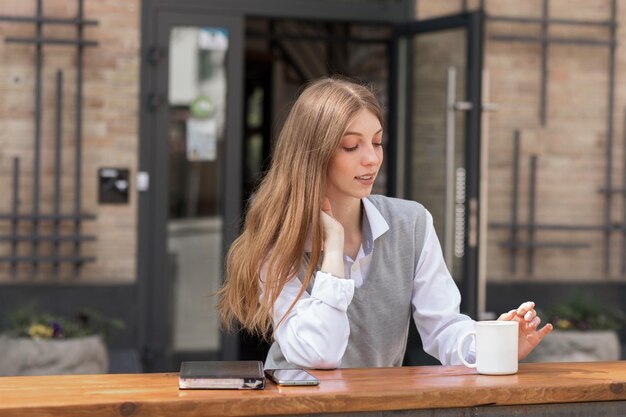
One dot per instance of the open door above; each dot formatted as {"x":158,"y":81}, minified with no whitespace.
{"x":438,"y":97}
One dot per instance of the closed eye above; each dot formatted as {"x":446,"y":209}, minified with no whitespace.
{"x":352,"y":149}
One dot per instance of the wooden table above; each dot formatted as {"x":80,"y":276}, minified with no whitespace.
{"x":589,"y":389}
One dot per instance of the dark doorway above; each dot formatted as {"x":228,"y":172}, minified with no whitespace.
{"x":281,"y":56}
{"x":284,"y":54}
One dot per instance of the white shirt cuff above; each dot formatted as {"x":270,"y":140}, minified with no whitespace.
{"x":336,"y":292}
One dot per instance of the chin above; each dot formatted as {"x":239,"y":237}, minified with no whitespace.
{"x":363,"y":194}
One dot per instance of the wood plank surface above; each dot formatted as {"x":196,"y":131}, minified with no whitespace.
{"x":340,"y":391}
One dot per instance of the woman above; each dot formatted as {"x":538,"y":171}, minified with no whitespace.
{"x":332,"y":273}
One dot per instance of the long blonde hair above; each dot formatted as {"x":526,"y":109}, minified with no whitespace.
{"x":286,"y":207}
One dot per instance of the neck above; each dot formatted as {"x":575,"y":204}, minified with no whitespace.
{"x":348,"y":212}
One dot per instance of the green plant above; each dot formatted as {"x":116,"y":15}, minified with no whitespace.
{"x":583,"y":313}
{"x":30,"y":322}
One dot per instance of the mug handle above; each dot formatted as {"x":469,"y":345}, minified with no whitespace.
{"x":460,"y":346}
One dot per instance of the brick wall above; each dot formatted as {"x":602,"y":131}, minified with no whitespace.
{"x":570,"y":148}
{"x":110,"y":129}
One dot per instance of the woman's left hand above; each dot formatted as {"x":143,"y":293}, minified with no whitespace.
{"x":529,"y":333}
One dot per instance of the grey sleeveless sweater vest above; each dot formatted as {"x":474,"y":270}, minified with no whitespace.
{"x":380,"y":311}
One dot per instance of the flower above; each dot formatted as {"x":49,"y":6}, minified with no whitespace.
{"x":583,"y":313}
{"x":28,"y":322}
{"x":40,"y":331}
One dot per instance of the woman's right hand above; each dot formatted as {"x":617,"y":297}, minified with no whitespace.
{"x":333,"y":230}
{"x":333,"y":241}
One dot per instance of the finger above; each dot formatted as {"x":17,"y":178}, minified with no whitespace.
{"x":507,"y":316}
{"x":326,"y":207}
{"x":530,"y":316}
{"x":525,"y":307}
{"x":533,"y":324}
{"x":538,"y":336}
{"x":545,"y":330}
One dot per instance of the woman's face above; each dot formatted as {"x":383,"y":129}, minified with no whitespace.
{"x":355,"y":163}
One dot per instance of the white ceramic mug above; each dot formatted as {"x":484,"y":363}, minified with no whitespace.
{"x":496,"y":347}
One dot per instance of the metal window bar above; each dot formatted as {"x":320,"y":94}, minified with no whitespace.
{"x":515,"y":198}
{"x":532,"y":205}
{"x":555,"y":21}
{"x":54,"y":41}
{"x":549,"y":39}
{"x":48,"y":238}
{"x":48,"y":259}
{"x":623,"y":191}
{"x":16,"y":208}
{"x":611,"y":43}
{"x":558,"y":227}
{"x":47,"y":20}
{"x":558,"y":245}
{"x":51,"y":217}
{"x":545,"y":40}
{"x":36,"y":216}
{"x":513,"y":244}
{"x":57,"y":163}
{"x":78,"y":134}
{"x":544,"y":63}
{"x":609,"y":142}
{"x":37,"y":162}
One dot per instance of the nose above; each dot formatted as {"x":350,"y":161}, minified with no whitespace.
{"x":370,"y":157}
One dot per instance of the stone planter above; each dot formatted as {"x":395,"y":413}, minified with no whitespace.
{"x":577,"y":346}
{"x":24,"y":356}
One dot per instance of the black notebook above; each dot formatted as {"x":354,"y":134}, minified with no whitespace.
{"x":221,"y":375}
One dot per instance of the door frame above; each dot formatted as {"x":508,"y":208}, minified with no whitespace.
{"x":152,"y":331}
{"x":154,"y":270}
{"x":402,"y":56}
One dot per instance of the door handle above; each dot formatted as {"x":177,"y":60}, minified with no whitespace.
{"x":463,"y":105}
{"x":472,"y":229}
{"x":452,"y":233}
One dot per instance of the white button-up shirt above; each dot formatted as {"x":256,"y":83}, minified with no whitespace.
{"x":315,"y":333}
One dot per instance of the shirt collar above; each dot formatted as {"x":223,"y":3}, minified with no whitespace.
{"x":378,"y":224}
{"x":374,"y":226}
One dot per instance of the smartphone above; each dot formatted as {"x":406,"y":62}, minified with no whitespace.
{"x":291,"y":377}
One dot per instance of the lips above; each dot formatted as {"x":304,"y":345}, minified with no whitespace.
{"x":366,"y":179}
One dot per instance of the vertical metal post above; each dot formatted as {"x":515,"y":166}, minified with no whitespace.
{"x":624,"y":200}
{"x":531,"y":214}
{"x":486,"y":108}
{"x":79,"y":107}
{"x":544,"y":64}
{"x":409,"y":48}
{"x":609,"y":143}
{"x":473,"y":88}
{"x":37,"y":155}
{"x":16,"y":206}
{"x":515,"y":200}
{"x":57,"y":168}
{"x":395,"y":172}
{"x":448,"y":228}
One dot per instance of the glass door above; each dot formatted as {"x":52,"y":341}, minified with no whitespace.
{"x":196,"y":180}
{"x":440,"y":140}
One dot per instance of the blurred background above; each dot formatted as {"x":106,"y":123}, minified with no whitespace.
{"x":132,"y":134}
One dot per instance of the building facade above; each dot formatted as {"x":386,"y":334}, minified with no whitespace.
{"x":134,"y":132}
